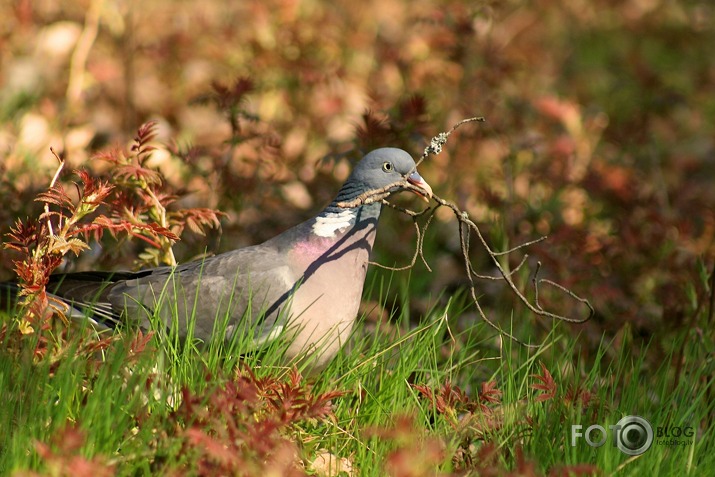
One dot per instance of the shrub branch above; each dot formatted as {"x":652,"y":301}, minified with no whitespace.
{"x":134,"y":200}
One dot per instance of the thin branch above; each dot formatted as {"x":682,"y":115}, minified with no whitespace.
{"x":419,"y":247}
{"x":159,"y":207}
{"x":523,"y":245}
{"x":409,"y":212}
{"x":81,"y":53}
{"x":52,"y":184}
{"x":466,"y":227}
{"x":435,"y":147}
{"x":464,"y":239}
{"x":438,"y":142}
{"x":536,"y":283}
{"x":463,"y":218}
{"x":514,"y":270}
{"x":414,"y":257}
{"x":375,"y":195}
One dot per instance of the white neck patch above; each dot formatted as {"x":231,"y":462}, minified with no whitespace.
{"x":330,"y":222}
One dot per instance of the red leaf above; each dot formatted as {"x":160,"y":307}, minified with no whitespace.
{"x":489,"y":392}
{"x":547,"y":384}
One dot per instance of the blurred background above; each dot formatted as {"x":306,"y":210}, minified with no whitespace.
{"x":599,"y":132}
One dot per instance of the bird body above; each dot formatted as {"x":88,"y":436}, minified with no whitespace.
{"x":306,"y":281}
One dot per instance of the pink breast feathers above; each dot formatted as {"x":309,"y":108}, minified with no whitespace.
{"x":307,"y":251}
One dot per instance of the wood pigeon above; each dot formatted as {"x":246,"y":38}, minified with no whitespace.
{"x":307,"y":281}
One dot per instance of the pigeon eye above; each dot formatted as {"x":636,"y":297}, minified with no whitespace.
{"x":387,"y":166}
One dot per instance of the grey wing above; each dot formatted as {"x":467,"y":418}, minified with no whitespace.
{"x":247,"y":290}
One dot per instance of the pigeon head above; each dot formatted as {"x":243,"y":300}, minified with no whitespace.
{"x":386,"y":166}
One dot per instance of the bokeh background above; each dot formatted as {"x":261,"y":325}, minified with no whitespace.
{"x":600,"y":129}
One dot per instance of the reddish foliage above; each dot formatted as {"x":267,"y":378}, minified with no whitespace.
{"x":145,"y":134}
{"x":138,"y":345}
{"x":575,"y":394}
{"x":547,"y":385}
{"x":133,"y":195}
{"x":230,"y":99}
{"x":400,"y":127}
{"x":470,"y":419}
{"x":239,"y":428}
{"x":61,"y":456}
{"x":450,"y":399}
{"x":419,"y":455}
{"x":489,"y":393}
{"x":447,"y":399}
{"x":578,"y":470}
{"x":142,"y":192}
{"x":416,"y":454}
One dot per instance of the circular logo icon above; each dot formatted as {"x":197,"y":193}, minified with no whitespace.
{"x":635,"y":435}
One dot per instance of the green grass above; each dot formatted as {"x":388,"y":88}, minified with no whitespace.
{"x":127,"y":404}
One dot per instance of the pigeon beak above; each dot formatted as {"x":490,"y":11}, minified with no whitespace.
{"x":416,"y":180}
